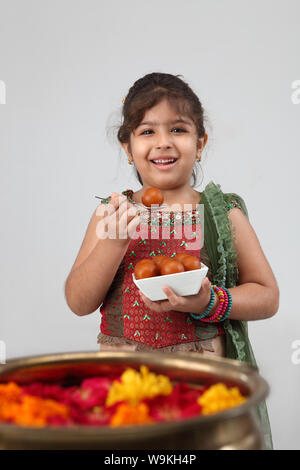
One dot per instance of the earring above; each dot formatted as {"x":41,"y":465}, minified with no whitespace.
{"x":199,"y":158}
{"x":130,"y":162}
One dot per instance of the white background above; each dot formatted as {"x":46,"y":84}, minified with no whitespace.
{"x":67,"y":65}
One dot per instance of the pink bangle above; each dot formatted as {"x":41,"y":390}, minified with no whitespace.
{"x":222,"y":307}
{"x":223,"y":304}
{"x":219,"y":316}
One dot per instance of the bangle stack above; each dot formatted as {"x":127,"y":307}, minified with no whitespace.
{"x":224,"y":309}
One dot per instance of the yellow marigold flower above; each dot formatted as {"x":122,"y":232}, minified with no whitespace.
{"x":219,"y":397}
{"x":129,"y":414}
{"x":136,"y":386}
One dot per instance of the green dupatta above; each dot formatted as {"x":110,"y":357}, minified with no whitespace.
{"x":220,"y":240}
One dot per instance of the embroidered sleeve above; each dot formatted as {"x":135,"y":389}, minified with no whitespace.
{"x":231,"y":204}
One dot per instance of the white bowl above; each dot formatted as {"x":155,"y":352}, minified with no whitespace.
{"x":186,"y":283}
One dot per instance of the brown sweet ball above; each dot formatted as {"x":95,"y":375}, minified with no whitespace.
{"x":159,"y":259}
{"x":180,"y":256}
{"x":145,"y":268}
{"x":191,"y":262}
{"x":171,"y":266}
{"x":152,"y":196}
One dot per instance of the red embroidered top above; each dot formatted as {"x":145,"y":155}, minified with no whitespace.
{"x":124,"y":314}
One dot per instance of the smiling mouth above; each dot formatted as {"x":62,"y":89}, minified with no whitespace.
{"x":164,"y":163}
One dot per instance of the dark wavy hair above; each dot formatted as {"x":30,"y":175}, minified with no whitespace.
{"x":151,"y":90}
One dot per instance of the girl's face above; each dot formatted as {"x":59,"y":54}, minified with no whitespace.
{"x":162,"y":134}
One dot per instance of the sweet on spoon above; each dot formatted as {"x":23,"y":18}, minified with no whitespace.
{"x":152,"y":196}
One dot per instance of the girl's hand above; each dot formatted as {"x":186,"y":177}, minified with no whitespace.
{"x":120,"y":220}
{"x":197,"y":303}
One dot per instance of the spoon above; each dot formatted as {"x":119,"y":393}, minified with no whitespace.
{"x":162,"y":206}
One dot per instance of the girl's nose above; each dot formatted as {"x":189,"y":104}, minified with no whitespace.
{"x":163,"y":146}
{"x":164,"y":139}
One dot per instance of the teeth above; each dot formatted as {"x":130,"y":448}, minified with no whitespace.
{"x":171,"y":160}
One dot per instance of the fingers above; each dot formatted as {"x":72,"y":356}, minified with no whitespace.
{"x":108,"y":209}
{"x":175,"y":300}
{"x":117,"y":204}
{"x":128,"y":219}
{"x":178,"y":303}
{"x":106,"y":227}
{"x":117,"y":200}
{"x":157,"y":306}
{"x":120,"y":218}
{"x":126,"y":214}
{"x":105,"y":210}
{"x":126,"y":208}
{"x":133,"y":224}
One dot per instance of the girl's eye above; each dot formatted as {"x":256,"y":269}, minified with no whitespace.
{"x":148,"y":130}
{"x":177,"y":128}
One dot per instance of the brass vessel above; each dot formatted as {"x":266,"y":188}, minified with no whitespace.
{"x":236,"y":428}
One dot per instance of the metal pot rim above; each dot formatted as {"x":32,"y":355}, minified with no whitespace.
{"x":93,"y":431}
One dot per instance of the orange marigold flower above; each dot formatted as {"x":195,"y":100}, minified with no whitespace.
{"x":10,"y":395}
{"x":131,"y":414}
{"x":35,"y":411}
{"x":26,"y":410}
{"x":10,"y":391}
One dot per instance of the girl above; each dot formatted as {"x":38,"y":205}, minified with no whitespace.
{"x":163,"y":122}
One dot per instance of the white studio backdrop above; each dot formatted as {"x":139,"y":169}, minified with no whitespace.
{"x":65,"y":66}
